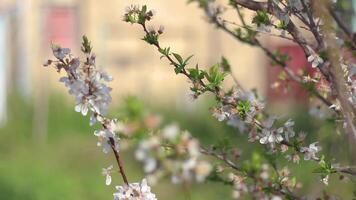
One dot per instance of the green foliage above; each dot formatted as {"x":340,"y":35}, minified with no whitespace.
{"x":223,"y":145}
{"x":151,"y":38}
{"x":132,"y":109}
{"x":324,"y":168}
{"x":86,"y":45}
{"x":243,"y":106}
{"x":261,"y":17}
{"x":246,"y":35}
{"x":225,"y":65}
{"x":165,"y":52}
{"x":254,"y":165}
{"x":282,"y":25}
{"x":195,"y":73}
{"x":139,"y":16}
{"x":181,"y":63}
{"x":131,"y":18}
{"x":215,"y":76}
{"x":142,"y":15}
{"x":281,"y":57}
{"x":323,"y":55}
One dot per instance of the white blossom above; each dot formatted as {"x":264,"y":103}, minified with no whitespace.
{"x":107,"y":173}
{"x":82,"y":108}
{"x":309,"y":152}
{"x":220,"y":114}
{"x":314,"y":58}
{"x":288,"y":129}
{"x":325,"y":179}
{"x":134,"y":191}
{"x":104,"y":137}
{"x":271,"y":137}
{"x":60,"y":53}
{"x":142,"y":154}
{"x":170,"y":132}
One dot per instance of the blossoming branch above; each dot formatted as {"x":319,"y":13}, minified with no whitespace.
{"x":239,"y":108}
{"x":88,"y":85}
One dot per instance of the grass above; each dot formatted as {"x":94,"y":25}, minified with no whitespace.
{"x":68,"y":165}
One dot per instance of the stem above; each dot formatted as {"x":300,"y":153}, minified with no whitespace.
{"x":312,"y":24}
{"x":119,"y":161}
{"x":220,"y":157}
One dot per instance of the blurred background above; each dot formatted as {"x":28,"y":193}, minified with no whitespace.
{"x":47,"y":151}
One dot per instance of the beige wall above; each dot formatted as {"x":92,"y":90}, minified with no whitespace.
{"x":136,"y":66}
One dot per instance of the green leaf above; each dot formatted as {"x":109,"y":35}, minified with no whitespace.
{"x":281,"y":57}
{"x":142,"y":15}
{"x":86,"y":45}
{"x":165,"y":51}
{"x":151,"y":38}
{"x":243,"y":106}
{"x":178,"y":58}
{"x":187,"y":59}
{"x":282,"y":25}
{"x":225,"y":65}
{"x":261,"y":17}
{"x":215,"y":76}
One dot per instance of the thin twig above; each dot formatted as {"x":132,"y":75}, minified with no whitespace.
{"x":119,"y":161}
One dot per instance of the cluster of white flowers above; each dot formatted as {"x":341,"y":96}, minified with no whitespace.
{"x":134,"y":191}
{"x":173,"y":151}
{"x":88,"y":85}
{"x":263,"y":131}
{"x":84,"y":82}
